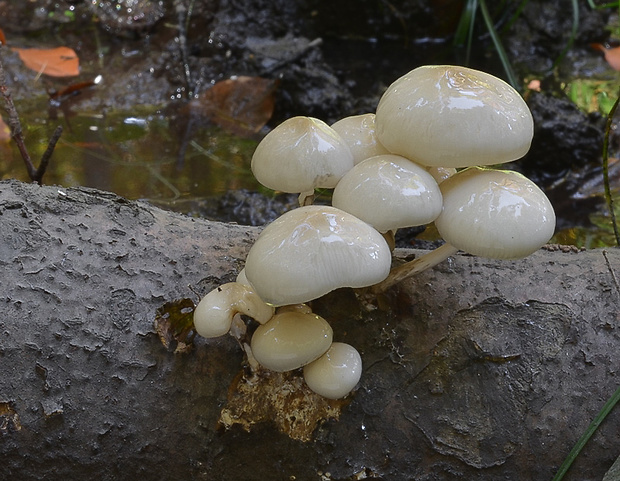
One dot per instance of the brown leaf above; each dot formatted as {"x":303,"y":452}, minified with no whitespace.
{"x":241,"y":105}
{"x":174,"y":323}
{"x":56,"y":62}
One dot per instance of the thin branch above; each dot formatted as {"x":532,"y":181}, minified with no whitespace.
{"x":35,"y":174}
{"x":47,"y":155}
{"x":15,"y":125}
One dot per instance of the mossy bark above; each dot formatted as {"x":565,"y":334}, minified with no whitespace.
{"x":476,"y":369}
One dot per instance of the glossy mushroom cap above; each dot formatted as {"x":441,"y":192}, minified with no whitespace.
{"x":301,"y":154}
{"x":358,"y":131}
{"x":448,"y":116}
{"x":335,"y":373}
{"x":312,"y":250}
{"x":494,"y":213}
{"x":389,"y":192}
{"x":214,"y":314}
{"x":290,"y":340}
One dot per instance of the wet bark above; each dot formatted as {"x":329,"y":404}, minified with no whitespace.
{"x":477,"y":369}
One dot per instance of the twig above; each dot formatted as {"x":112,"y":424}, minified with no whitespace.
{"x":608,"y":196}
{"x":184,"y":13}
{"x":47,"y":155}
{"x":14,"y":124}
{"x":35,"y":174}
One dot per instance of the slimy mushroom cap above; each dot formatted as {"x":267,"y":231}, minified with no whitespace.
{"x":358,"y":131}
{"x":312,"y":250}
{"x":389,"y":192}
{"x":290,"y":340}
{"x":214,"y":314}
{"x":448,"y":116}
{"x":497,"y":214}
{"x":335,"y":373}
{"x":301,"y":154}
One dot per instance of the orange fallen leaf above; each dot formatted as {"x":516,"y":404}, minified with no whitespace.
{"x":56,"y":62}
{"x":612,"y":55}
{"x":2,"y":37}
{"x":241,"y":105}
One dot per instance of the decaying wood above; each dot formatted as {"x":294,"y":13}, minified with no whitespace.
{"x":478,"y":369}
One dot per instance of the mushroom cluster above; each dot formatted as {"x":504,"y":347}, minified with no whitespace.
{"x":389,"y":170}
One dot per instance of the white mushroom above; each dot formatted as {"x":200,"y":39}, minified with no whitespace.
{"x":335,"y":373}
{"x":496,"y":214}
{"x":448,"y":116}
{"x":300,"y":155}
{"x":358,"y":131}
{"x":312,"y":250}
{"x":214,"y":314}
{"x":441,"y":173}
{"x":291,"y":340}
{"x":389,"y":192}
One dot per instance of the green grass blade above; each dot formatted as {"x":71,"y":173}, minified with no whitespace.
{"x":511,"y":77}
{"x":608,"y":197}
{"x":573,"y":33}
{"x":581,"y":442}
{"x":466,"y":22}
{"x":515,"y":16}
{"x":465,"y":29}
{"x":594,"y":6}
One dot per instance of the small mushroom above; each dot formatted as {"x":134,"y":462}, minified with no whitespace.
{"x":335,"y":373}
{"x":300,"y":155}
{"x":312,"y":250}
{"x":290,"y":340}
{"x":447,"y":116}
{"x":214,"y":314}
{"x":358,"y":131}
{"x":389,"y":192}
{"x":497,"y":214}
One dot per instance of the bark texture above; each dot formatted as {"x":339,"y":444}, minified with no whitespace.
{"x":477,"y":369}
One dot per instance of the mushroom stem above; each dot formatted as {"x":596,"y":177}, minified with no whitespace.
{"x":411,"y":268}
{"x":214,"y":314}
{"x":306,"y":198}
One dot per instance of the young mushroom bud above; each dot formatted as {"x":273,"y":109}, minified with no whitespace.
{"x":389,"y":192}
{"x":447,"y":116}
{"x":300,"y":155}
{"x":358,"y":131}
{"x":214,"y":314}
{"x":335,"y":373}
{"x":497,"y":214}
{"x":312,"y":250}
{"x":291,"y":340}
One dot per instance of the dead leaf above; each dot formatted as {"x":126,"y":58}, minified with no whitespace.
{"x":241,"y":105}
{"x":174,"y":323}
{"x":612,"y":54}
{"x":2,"y":37}
{"x":56,"y":62}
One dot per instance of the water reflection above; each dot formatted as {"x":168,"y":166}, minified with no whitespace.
{"x":136,"y":155}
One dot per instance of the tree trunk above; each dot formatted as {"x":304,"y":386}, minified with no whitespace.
{"x":477,"y":369}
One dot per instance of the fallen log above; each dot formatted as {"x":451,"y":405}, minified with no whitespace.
{"x":476,"y":369}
